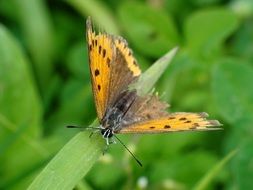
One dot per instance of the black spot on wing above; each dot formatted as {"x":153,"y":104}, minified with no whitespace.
{"x":104,"y":53}
{"x":99,"y":49}
{"x":96,"y":72}
{"x":99,"y":87}
{"x":167,"y":126}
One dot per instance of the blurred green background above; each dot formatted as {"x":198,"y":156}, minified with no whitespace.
{"x":45,"y":85}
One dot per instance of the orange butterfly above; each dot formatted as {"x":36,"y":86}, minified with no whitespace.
{"x":120,"y":110}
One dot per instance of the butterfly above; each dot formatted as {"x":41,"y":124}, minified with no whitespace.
{"x":121,"y":110}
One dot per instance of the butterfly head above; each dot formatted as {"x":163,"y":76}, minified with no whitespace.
{"x":107,"y":132}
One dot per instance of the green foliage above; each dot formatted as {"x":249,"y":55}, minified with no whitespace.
{"x":230,"y":93}
{"x":68,"y":167}
{"x":45,"y":85}
{"x":205,"y":31}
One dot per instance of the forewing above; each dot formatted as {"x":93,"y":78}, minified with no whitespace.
{"x":173,"y":122}
{"x":101,"y":52}
{"x":112,"y":68}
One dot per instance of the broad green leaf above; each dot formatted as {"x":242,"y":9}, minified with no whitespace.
{"x":19,"y":105}
{"x":232,"y":90}
{"x":19,"y":96}
{"x":145,"y":28}
{"x":33,"y":17}
{"x":242,"y":41}
{"x":206,"y":31}
{"x":69,"y":166}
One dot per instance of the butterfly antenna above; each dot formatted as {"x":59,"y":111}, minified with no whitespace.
{"x":79,"y":127}
{"x":128,"y":150}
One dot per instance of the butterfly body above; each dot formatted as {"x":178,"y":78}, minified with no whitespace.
{"x":120,"y":110}
{"x":114,"y":117}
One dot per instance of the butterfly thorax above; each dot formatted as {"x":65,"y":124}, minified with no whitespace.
{"x":114,"y":117}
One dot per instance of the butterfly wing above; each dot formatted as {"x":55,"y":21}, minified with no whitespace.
{"x":146,"y":108}
{"x":180,"y":121}
{"x":124,"y":70}
{"x":112,"y":67}
{"x":101,"y":52}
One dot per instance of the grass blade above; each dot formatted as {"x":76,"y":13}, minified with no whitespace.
{"x":148,"y":79}
{"x":206,"y":180}
{"x":69,"y":166}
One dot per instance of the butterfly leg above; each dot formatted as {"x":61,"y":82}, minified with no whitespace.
{"x":105,"y":149}
{"x":112,"y":141}
{"x":107,"y":141}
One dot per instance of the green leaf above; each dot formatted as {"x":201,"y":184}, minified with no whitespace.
{"x":242,"y":41}
{"x":19,"y":106}
{"x":69,"y":166}
{"x":231,"y":88}
{"x":145,"y":27}
{"x":206,"y":30}
{"x":18,"y":97}
{"x":33,"y":17}
{"x":148,"y":79}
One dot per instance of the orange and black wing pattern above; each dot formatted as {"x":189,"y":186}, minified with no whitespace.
{"x":180,"y":121}
{"x":112,"y":67}
{"x":101,"y":53}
